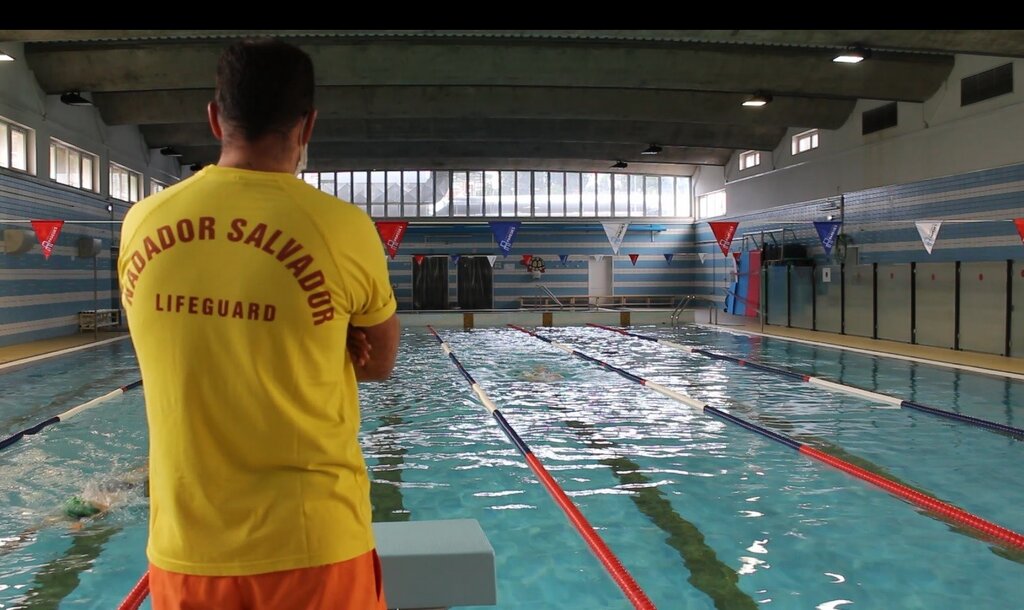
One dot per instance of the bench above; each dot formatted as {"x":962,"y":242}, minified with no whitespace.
{"x":93,"y":319}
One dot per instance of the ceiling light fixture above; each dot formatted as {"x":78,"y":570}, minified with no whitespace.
{"x":852,"y":55}
{"x":653,"y":149}
{"x":74,"y":98}
{"x":5,"y":56}
{"x":620,"y":165}
{"x":757,"y":100}
{"x":169,"y":151}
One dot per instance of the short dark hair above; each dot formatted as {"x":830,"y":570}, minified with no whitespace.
{"x":264,"y":85}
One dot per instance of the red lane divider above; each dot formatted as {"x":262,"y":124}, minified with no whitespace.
{"x":944,"y":510}
{"x":137,"y":595}
{"x":924,"y":501}
{"x":605,"y":555}
{"x":618,"y":573}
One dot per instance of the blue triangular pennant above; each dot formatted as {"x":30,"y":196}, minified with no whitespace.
{"x":827,"y":232}
{"x":564,"y":258}
{"x":668,"y":257}
{"x":455,"y":259}
{"x":505,"y":234}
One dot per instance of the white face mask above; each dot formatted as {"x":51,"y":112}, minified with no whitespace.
{"x":303,"y":158}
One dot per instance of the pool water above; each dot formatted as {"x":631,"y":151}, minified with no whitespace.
{"x":703,"y":514}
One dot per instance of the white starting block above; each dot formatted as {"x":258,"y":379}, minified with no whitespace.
{"x":436,"y":564}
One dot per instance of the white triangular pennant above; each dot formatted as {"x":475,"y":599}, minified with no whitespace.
{"x":598,"y":257}
{"x":701,"y":256}
{"x":491,"y":258}
{"x":929,"y":231}
{"x":616,"y":232}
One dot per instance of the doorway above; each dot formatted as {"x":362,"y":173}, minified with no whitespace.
{"x":430,"y":283}
{"x":599,"y":279}
{"x":476,"y":283}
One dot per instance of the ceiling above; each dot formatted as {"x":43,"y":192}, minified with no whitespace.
{"x":565,"y":99}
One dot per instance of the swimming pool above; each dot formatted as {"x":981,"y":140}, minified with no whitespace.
{"x":702,"y":514}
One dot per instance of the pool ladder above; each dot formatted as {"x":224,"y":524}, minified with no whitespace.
{"x":691,"y":298}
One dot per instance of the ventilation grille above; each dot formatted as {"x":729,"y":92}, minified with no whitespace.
{"x":987,"y":84}
{"x":879,"y":118}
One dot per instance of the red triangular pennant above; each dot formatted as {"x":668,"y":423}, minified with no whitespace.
{"x":418,"y":258}
{"x":391,"y":233}
{"x":724,"y":232}
{"x":1019,"y":223}
{"x":526,"y":260}
{"x":633,"y":257}
{"x":47,"y":232}
{"x":736,"y":255}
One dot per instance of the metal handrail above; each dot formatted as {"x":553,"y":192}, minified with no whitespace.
{"x":686,"y":300}
{"x":545,"y":289}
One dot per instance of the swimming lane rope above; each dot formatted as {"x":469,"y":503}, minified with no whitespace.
{"x":611,"y":563}
{"x":829,"y":385}
{"x":66,"y":415}
{"x":137,"y":595}
{"x":943,"y":509}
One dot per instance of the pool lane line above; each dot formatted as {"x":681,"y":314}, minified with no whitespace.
{"x":829,"y":385}
{"x":385,"y":494}
{"x":944,"y":509}
{"x":878,"y":354}
{"x":66,"y":415}
{"x":615,"y":569}
{"x":708,"y":574}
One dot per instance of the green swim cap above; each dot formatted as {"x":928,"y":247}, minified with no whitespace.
{"x":77,"y":508}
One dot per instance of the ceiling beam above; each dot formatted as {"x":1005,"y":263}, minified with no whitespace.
{"x":342,"y":155}
{"x":637,"y":133}
{"x":723,"y":68}
{"x":461,"y":102}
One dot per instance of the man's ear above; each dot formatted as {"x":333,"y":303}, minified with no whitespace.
{"x":307,"y":127}
{"x":213,"y":115}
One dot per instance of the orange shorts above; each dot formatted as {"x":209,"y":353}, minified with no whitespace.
{"x":347,"y":585}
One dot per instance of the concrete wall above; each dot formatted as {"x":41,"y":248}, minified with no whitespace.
{"x":41,"y":298}
{"x":933,"y":139}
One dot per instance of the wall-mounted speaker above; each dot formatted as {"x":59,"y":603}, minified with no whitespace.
{"x":88,"y":247}
{"x":18,"y":241}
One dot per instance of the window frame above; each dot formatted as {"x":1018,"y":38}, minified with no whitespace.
{"x":90,"y":185}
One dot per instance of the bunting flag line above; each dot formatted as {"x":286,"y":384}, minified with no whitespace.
{"x":828,"y":230}
{"x":616,"y":232}
{"x":633,"y":257}
{"x":418,"y":258}
{"x":455,"y":258}
{"x":391,"y":233}
{"x":564,"y":258}
{"x":491,"y":258}
{"x":929,"y":231}
{"x":668,"y":257}
{"x":47,"y":232}
{"x":505,"y":234}
{"x":724,"y":232}
{"x":1019,"y":223}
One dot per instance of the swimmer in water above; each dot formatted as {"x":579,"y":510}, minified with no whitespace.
{"x":541,"y":374}
{"x":95,"y":500}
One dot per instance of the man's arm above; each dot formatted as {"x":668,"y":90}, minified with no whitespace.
{"x":382,"y":348}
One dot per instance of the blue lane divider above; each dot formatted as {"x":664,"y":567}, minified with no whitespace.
{"x":831,"y":385}
{"x":65,"y":416}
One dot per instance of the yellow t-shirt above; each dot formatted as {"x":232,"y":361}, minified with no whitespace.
{"x":239,"y":287}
